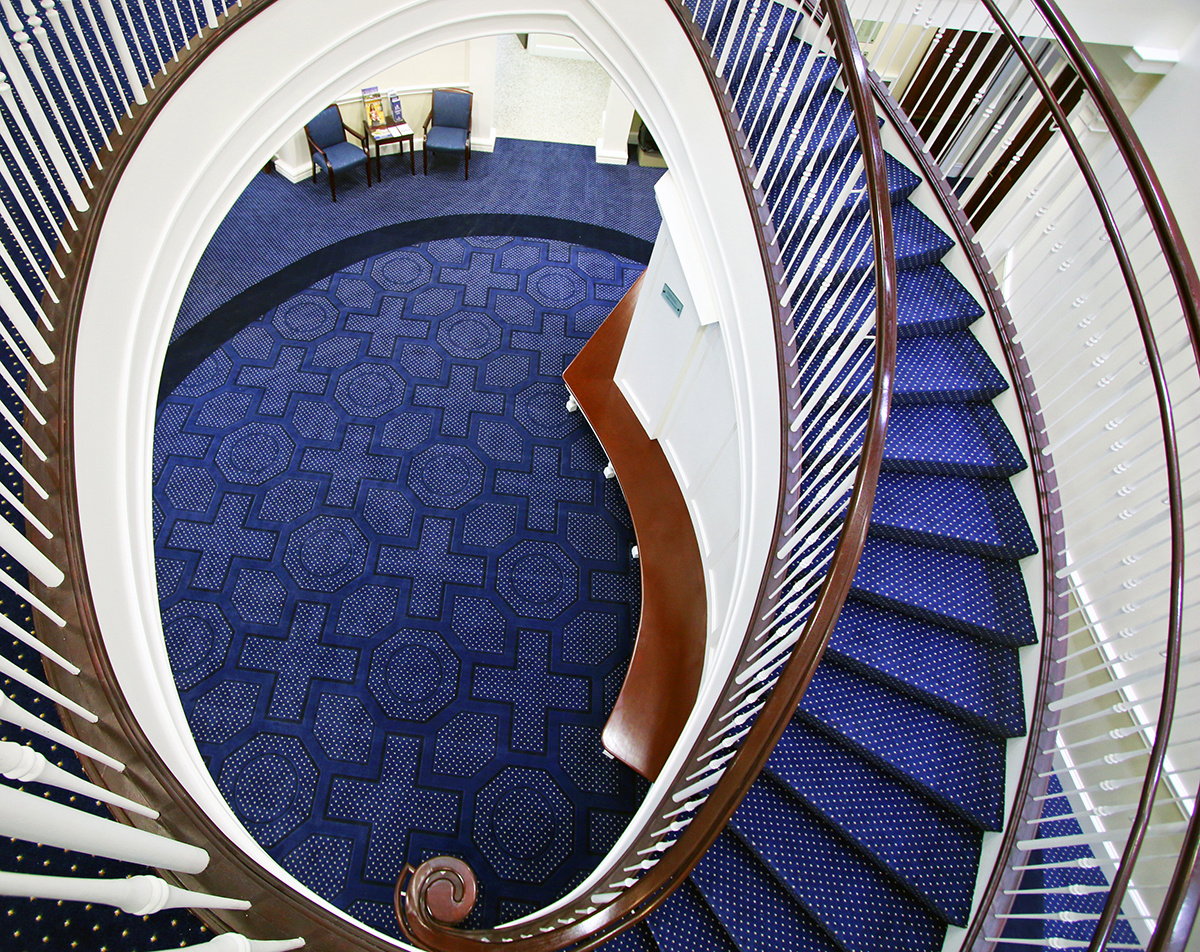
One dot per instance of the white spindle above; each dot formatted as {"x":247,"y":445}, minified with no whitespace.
{"x":21,"y":676}
{"x":26,"y":765}
{"x":73,"y":16}
{"x":211,"y":13}
{"x":25,"y":552}
{"x":123,"y":54}
{"x":38,"y":820}
{"x":28,"y":331}
{"x":34,"y":67}
{"x":45,"y":134}
{"x":137,"y":895}
{"x":43,"y":38}
{"x":52,"y":15}
{"x":12,"y":712}
{"x":230,"y":942}
{"x":10,"y":101}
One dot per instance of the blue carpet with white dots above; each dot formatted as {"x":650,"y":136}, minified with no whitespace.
{"x":395,"y":585}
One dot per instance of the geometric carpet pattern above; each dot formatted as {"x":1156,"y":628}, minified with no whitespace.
{"x":396,"y":587}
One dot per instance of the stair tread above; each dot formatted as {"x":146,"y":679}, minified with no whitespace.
{"x":684,"y":923}
{"x":850,"y":896}
{"x":926,"y":846}
{"x":988,"y":599}
{"x":959,"y":765}
{"x":939,"y":368}
{"x":973,"y":680}
{"x":930,"y":300}
{"x":754,"y":908}
{"x":952,"y":439}
{"x":981,"y":516}
{"x":919,"y":242}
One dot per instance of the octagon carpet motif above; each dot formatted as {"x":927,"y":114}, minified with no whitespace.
{"x":395,"y":586}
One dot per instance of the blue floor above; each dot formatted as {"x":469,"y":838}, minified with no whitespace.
{"x":395,"y":585}
{"x":275,"y":223}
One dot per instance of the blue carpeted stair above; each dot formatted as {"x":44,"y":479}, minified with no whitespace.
{"x":864,"y":831}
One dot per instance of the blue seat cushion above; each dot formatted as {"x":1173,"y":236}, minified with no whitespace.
{"x":326,"y":128}
{"x":444,"y":137}
{"x":341,"y":155}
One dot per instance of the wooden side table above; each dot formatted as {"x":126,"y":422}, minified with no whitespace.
{"x":408,"y":137}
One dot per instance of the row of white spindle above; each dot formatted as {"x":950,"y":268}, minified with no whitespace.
{"x":88,"y":76}
{"x":1077,"y":326}
{"x":827,"y":385}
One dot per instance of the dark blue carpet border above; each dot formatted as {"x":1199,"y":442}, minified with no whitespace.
{"x":195,"y":345}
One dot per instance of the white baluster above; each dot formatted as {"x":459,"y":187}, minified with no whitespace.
{"x":137,"y":43}
{"x":35,"y":69}
{"x":45,"y":134}
{"x":24,"y":326}
{"x":211,"y":13}
{"x":21,"y":676}
{"x":25,"y":552}
{"x":12,"y":712}
{"x":38,"y":820}
{"x":150,"y":29}
{"x":26,"y":765}
{"x":118,"y":37}
{"x":16,"y":154}
{"x":137,"y":895}
{"x":73,"y":16}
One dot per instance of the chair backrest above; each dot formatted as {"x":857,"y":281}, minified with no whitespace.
{"x":452,"y":107}
{"x":326,"y":129}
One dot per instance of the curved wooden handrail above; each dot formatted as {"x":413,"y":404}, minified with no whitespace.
{"x":668,"y":657}
{"x":670,"y":871}
{"x":1050,"y":518}
{"x":278,"y":912}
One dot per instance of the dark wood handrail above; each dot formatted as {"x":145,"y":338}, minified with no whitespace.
{"x":647,"y":893}
{"x":668,"y":658}
{"x":1133,"y":844}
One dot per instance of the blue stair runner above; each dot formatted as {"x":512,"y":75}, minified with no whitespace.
{"x":864,"y":831}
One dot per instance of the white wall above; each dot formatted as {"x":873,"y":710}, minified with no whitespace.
{"x":1164,"y":24}
{"x":674,"y":371}
{"x":468,"y":64}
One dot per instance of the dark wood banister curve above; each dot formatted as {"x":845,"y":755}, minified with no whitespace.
{"x":281,"y":912}
{"x":644,"y":896}
{"x":278,"y":912}
{"x":668,"y":657}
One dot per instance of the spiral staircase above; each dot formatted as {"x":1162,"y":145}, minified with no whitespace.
{"x":870,"y":771}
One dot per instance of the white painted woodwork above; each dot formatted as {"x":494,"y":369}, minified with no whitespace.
{"x":212,"y":137}
{"x":612,"y":148}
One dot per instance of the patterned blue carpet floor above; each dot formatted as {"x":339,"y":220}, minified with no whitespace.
{"x":396,"y":588}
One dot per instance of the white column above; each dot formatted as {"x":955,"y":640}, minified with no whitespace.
{"x":293,"y":160}
{"x":137,"y":895}
{"x":26,"y":817}
{"x":612,"y":148}
{"x":481,"y":73}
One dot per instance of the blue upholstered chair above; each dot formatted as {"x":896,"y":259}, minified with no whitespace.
{"x":448,"y":126}
{"x":330,"y":148}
